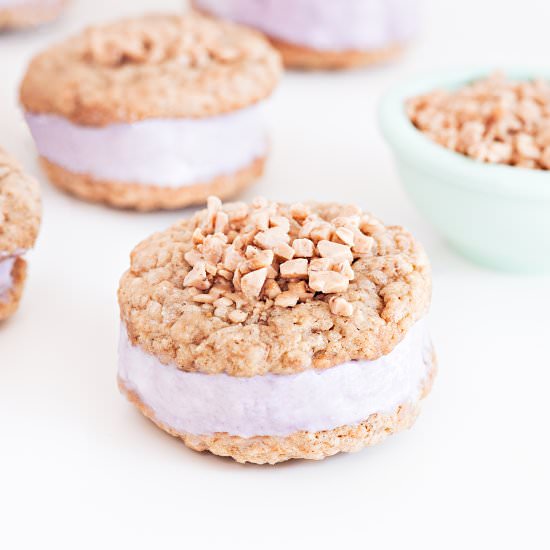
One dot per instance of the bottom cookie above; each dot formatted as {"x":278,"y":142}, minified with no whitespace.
{"x":30,"y":13}
{"x":150,"y":197}
{"x":302,"y":57}
{"x":9,"y":301}
{"x":306,"y":445}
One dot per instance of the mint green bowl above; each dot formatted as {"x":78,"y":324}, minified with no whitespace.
{"x":495,"y":215}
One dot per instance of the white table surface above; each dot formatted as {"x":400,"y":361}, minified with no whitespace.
{"x":81,"y":468}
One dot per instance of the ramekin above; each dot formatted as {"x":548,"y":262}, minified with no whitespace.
{"x":495,"y":215}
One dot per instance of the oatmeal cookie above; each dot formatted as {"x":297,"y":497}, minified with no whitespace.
{"x":152,"y":112}
{"x":20,"y":214}
{"x":249,"y":324}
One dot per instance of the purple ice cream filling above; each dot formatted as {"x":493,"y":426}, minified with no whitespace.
{"x":325,"y":24}
{"x":277,"y":405}
{"x":162,"y":152}
{"x":6,"y":279}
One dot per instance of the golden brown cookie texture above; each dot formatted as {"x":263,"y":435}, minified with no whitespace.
{"x":30,"y":13}
{"x":20,"y":215}
{"x":145,"y":198}
{"x":154,"y":66}
{"x":301,"y":57}
{"x":20,"y":207}
{"x":10,"y":302}
{"x":274,"y":288}
{"x":300,"y":445}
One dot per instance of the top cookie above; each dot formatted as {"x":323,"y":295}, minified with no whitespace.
{"x":275,"y":288}
{"x":154,"y":66}
{"x":20,"y":209}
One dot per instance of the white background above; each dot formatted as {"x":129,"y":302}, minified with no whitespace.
{"x":80,"y":468}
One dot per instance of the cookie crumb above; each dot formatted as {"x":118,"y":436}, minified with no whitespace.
{"x":237,"y":316}
{"x":253,"y":282}
{"x":294,"y":269}
{"x":340,"y":306}
{"x":303,"y":248}
{"x":286,"y":299}
{"x":328,"y":282}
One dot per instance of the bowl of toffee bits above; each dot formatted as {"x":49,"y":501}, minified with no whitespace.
{"x":473,"y":151}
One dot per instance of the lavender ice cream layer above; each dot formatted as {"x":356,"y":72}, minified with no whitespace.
{"x":277,"y":405}
{"x":324,"y":24}
{"x":162,"y":152}
{"x":6,"y":281}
